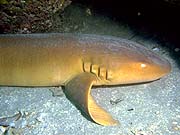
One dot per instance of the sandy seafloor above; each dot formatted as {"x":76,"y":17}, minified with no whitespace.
{"x":146,"y":109}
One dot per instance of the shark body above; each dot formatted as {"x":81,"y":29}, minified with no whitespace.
{"x":78,"y":62}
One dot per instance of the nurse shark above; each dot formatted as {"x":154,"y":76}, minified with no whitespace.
{"x":77,"y":62}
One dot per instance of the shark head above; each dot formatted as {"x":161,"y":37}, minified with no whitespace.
{"x":132,"y":63}
{"x":127,"y":62}
{"x":114,"y":62}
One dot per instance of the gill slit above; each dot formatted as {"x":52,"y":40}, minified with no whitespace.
{"x":88,"y":67}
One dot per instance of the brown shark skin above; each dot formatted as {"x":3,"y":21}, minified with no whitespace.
{"x":53,"y":59}
{"x":77,"y":61}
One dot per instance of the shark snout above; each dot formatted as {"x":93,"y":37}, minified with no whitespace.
{"x":162,"y":64}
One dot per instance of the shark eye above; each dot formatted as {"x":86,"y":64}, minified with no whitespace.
{"x":143,"y":65}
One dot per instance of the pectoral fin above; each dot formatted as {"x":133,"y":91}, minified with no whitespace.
{"x":78,"y":91}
